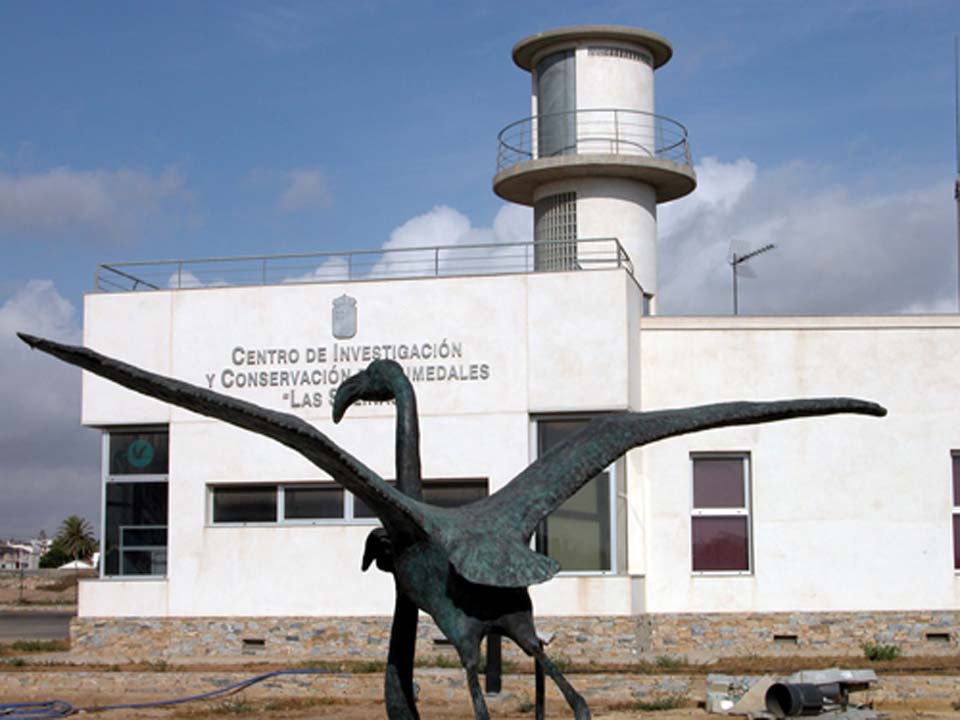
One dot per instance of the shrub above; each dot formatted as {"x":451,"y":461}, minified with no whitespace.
{"x":879,"y":652}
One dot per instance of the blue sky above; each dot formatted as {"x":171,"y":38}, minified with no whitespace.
{"x":183,"y":129}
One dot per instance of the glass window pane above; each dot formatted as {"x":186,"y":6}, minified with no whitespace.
{"x":956,"y":542}
{"x":144,"y":537}
{"x":360,"y":509}
{"x":556,"y":97}
{"x":720,"y":543}
{"x":138,"y":453}
{"x":551,"y":432}
{"x":129,"y":505}
{"x":577,"y":534}
{"x":453,"y":493}
{"x":145,"y":562}
{"x":445,"y":493}
{"x":718,"y":483}
{"x":956,"y":480}
{"x":313,"y":503}
{"x":257,"y":503}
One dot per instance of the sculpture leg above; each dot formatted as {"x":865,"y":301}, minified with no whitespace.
{"x":574,"y":699}
{"x":522,"y":631}
{"x":480,"y":711}
{"x":469,"y":656}
{"x":398,"y":683}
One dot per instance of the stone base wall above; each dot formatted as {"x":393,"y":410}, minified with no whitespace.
{"x":582,"y":640}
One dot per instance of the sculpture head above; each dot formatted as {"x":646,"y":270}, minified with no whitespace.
{"x":377,"y":383}
{"x":379,"y":549}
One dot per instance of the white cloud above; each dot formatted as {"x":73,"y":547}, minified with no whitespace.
{"x":335,"y":269}
{"x":836,"y":251}
{"x":108,"y":204}
{"x":440,"y":227}
{"x":50,"y":463}
{"x":448,"y":227}
{"x":306,"y":188}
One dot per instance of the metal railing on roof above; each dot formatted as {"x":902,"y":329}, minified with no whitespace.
{"x":383,"y":264}
{"x":609,"y":131}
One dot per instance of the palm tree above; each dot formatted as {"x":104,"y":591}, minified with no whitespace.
{"x":75,"y":538}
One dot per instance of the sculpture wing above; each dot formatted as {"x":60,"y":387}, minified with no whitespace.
{"x":513,"y":513}
{"x":390,"y":505}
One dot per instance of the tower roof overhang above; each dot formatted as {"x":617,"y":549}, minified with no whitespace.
{"x":526,"y":52}
{"x":518,"y":183}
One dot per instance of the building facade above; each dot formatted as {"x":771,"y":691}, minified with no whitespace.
{"x":804,"y":536}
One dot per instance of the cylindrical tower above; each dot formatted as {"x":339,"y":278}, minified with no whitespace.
{"x":594,"y":159}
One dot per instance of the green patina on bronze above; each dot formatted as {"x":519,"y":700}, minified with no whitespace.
{"x":468,"y":567}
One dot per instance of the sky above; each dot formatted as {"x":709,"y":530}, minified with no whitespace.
{"x":145,"y":131}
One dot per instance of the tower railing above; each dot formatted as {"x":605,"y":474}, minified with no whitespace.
{"x":383,"y":264}
{"x":608,"y":131}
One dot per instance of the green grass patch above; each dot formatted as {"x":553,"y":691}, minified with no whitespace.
{"x":35,"y":646}
{"x":878,"y":652}
{"x":655,"y":702}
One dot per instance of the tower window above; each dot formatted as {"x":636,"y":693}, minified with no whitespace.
{"x":554,"y":227}
{"x":617,"y":52}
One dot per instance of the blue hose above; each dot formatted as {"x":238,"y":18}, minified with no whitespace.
{"x":61,"y":709}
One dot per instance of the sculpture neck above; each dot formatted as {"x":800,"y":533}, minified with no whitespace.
{"x":409,"y":480}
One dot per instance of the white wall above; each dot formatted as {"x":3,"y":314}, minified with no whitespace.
{"x":849,"y":512}
{"x":550,"y":342}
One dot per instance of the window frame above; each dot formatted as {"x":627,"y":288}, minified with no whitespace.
{"x":616,"y":525}
{"x":745,"y":511}
{"x":955,"y":512}
{"x":349,"y":516}
{"x":131,"y":478}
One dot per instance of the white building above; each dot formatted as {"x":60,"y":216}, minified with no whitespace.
{"x":803,"y":536}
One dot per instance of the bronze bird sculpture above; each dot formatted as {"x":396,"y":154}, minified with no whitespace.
{"x":468,"y":567}
{"x":381,"y":381}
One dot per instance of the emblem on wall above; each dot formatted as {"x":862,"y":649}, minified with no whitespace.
{"x":344,"y":317}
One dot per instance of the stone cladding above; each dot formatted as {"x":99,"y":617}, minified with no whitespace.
{"x":606,"y":640}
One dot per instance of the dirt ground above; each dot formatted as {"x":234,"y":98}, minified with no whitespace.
{"x":53,"y":587}
{"x":456,"y":709}
{"x":455,"y":704}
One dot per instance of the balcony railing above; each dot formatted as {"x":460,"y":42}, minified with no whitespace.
{"x":420,"y":262}
{"x":593,"y":132}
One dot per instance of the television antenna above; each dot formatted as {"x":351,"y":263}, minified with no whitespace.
{"x":736,"y":258}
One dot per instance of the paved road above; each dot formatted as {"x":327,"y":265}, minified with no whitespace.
{"x":34,"y":626}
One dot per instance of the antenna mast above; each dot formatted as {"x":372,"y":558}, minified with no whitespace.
{"x":735,"y":261}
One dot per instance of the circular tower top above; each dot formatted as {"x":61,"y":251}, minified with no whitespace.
{"x":526,"y":51}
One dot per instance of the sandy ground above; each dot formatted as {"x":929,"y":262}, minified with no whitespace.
{"x":51,"y":588}
{"x":305,"y":708}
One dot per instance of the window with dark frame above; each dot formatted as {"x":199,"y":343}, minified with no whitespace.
{"x":135,"y":498}
{"x":578,"y":534}
{"x":720,"y":522}
{"x":257,"y":503}
{"x":955,"y":457}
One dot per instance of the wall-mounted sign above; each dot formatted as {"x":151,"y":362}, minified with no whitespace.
{"x":140,"y":453}
{"x":308,"y":375}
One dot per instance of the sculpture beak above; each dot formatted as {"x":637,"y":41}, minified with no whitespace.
{"x":348,"y":393}
{"x":367,"y":560}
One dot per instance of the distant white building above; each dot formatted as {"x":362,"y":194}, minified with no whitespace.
{"x":802,"y":536}
{"x":17,"y":556}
